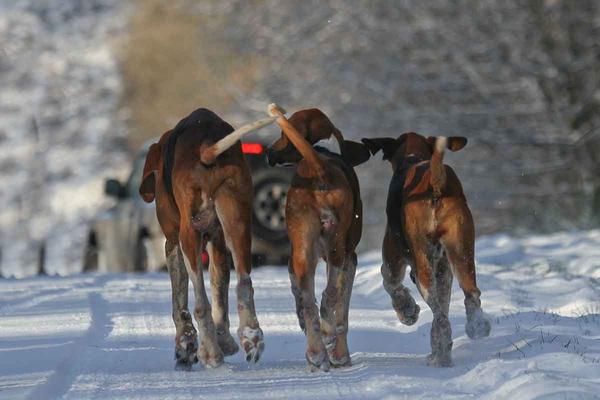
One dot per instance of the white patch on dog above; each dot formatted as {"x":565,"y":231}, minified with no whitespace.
{"x":330,"y":144}
{"x":252,"y":334}
{"x":252,"y":341}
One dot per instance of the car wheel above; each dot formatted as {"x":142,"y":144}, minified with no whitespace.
{"x":264,"y":259}
{"x":140,"y":263}
{"x":90,"y":255}
{"x":268,"y":208}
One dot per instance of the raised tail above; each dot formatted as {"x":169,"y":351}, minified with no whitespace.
{"x":438,"y":171}
{"x":210,"y":154}
{"x":316,"y":167}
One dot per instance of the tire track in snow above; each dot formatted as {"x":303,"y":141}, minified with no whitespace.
{"x":67,"y":371}
{"x":37,"y":298}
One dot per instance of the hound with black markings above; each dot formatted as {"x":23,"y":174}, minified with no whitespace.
{"x":431,"y":228}
{"x":203,"y":191}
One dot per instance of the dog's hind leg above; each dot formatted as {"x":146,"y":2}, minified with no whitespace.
{"x":395,"y":261}
{"x":343,"y":279}
{"x":443,"y":277}
{"x":442,"y":289}
{"x":441,"y":331}
{"x":297,"y":295}
{"x":329,"y":301}
{"x":304,"y":264}
{"x":459,"y":241}
{"x":304,"y":231}
{"x":186,"y":339}
{"x":234,"y":213}
{"x":209,"y":353}
{"x":219,"y":284}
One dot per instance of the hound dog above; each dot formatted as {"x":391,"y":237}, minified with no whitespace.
{"x":203,"y":191}
{"x":430,"y":227}
{"x":324,"y":220}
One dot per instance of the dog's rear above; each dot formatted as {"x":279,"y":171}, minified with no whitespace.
{"x":431,"y":228}
{"x":324,"y":219}
{"x":203,"y":193}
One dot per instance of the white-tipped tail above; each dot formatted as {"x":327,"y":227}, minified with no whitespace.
{"x":275,"y":111}
{"x":305,"y":149}
{"x":438,"y":171}
{"x":236,"y":135}
{"x":210,"y":154}
{"x":440,"y":144}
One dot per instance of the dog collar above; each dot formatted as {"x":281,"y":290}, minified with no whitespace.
{"x":413,"y":159}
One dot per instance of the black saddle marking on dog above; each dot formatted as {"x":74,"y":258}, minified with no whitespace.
{"x":397,"y":198}
{"x":202,"y":121}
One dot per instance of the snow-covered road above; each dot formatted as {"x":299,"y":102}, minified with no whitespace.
{"x":111,"y":336}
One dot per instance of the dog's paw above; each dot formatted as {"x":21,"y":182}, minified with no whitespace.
{"x":409,"y":315}
{"x":439,"y":360}
{"x":210,"y":357}
{"x":227,"y":343}
{"x":329,"y":341}
{"x":184,"y":365}
{"x":340,"y":361}
{"x":404,"y":304}
{"x":317,"y":361}
{"x":337,"y":351}
{"x":478,"y":326}
{"x":186,"y":348}
{"x":302,"y":323}
{"x":252,"y":343}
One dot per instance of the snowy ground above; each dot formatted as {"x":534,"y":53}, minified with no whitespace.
{"x":111,"y":336}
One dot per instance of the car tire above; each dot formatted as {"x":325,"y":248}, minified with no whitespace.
{"x":90,"y":255}
{"x":140,"y":262}
{"x":263,"y":259}
{"x":268,"y":208}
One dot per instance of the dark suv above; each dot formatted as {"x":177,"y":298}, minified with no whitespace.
{"x":127,"y":237}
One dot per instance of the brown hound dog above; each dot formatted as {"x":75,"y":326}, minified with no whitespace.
{"x":431,"y":228}
{"x":203,"y":191}
{"x":324,"y":220}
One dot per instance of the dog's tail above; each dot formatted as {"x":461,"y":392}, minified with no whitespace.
{"x":210,"y":154}
{"x":316,"y":166}
{"x":438,"y":171}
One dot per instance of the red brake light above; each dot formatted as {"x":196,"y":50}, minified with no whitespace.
{"x":252,"y":148}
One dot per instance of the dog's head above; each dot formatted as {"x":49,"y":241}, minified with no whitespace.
{"x":314,"y":126}
{"x":410,"y":144}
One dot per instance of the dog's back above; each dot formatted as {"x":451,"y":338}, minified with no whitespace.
{"x":201,"y":127}
{"x":411,"y":192}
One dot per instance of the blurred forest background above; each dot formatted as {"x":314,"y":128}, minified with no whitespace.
{"x":85,"y":82}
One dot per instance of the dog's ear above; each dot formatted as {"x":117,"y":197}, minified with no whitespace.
{"x":388,"y":145}
{"x":320,"y":127}
{"x":316,"y":132}
{"x":148,"y":185}
{"x":456,"y":143}
{"x":313,"y":125}
{"x":355,"y":153}
{"x":453,"y":143}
